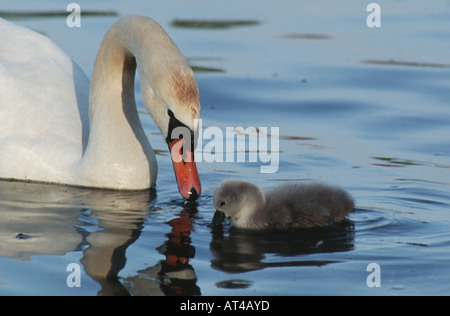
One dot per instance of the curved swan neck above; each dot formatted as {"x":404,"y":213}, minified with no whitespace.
{"x":166,"y":77}
{"x":123,"y":46}
{"x":118,"y":150}
{"x":117,"y":140}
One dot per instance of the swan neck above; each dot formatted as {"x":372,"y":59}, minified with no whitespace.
{"x":117,"y":139}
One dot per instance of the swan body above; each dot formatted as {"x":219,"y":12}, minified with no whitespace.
{"x":288,"y":206}
{"x":57,"y":127}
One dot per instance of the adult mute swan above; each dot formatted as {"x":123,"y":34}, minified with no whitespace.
{"x":50,"y":132}
{"x":288,"y":206}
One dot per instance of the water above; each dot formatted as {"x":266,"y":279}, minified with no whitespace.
{"x":366,"y":109}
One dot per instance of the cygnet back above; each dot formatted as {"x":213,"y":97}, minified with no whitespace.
{"x":307,"y":205}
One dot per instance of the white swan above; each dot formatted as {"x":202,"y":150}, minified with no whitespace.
{"x":49,"y":132}
{"x":288,"y":206}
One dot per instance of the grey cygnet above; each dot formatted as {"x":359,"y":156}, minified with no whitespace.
{"x":286,"y":207}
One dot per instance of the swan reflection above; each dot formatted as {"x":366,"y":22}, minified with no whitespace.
{"x":174,"y":275}
{"x":56,"y":220}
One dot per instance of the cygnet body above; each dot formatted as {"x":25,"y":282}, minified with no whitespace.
{"x":286,"y":207}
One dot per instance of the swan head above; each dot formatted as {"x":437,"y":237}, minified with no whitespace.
{"x":237,"y":199}
{"x":173,"y":101}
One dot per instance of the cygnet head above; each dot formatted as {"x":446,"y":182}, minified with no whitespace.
{"x":238,"y":200}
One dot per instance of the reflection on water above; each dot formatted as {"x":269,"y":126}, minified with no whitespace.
{"x":103,"y":224}
{"x":41,"y":219}
{"x":174,"y":275}
{"x":104,"y":256}
{"x":236,"y":250}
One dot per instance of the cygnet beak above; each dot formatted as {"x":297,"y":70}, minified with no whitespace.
{"x":218,"y":218}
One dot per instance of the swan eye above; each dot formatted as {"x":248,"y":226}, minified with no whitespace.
{"x":222,"y":203}
{"x":170,"y":113}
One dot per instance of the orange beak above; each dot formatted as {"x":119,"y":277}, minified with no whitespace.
{"x":185,"y":170}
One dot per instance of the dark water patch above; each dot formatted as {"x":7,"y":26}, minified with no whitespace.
{"x":203,"y":69}
{"x":306,"y":36}
{"x":213,"y":24}
{"x":234,"y":284}
{"x":400,"y":162}
{"x":404,"y":63}
{"x":26,"y":15}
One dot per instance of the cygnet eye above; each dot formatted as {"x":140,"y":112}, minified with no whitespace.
{"x":222,"y":203}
